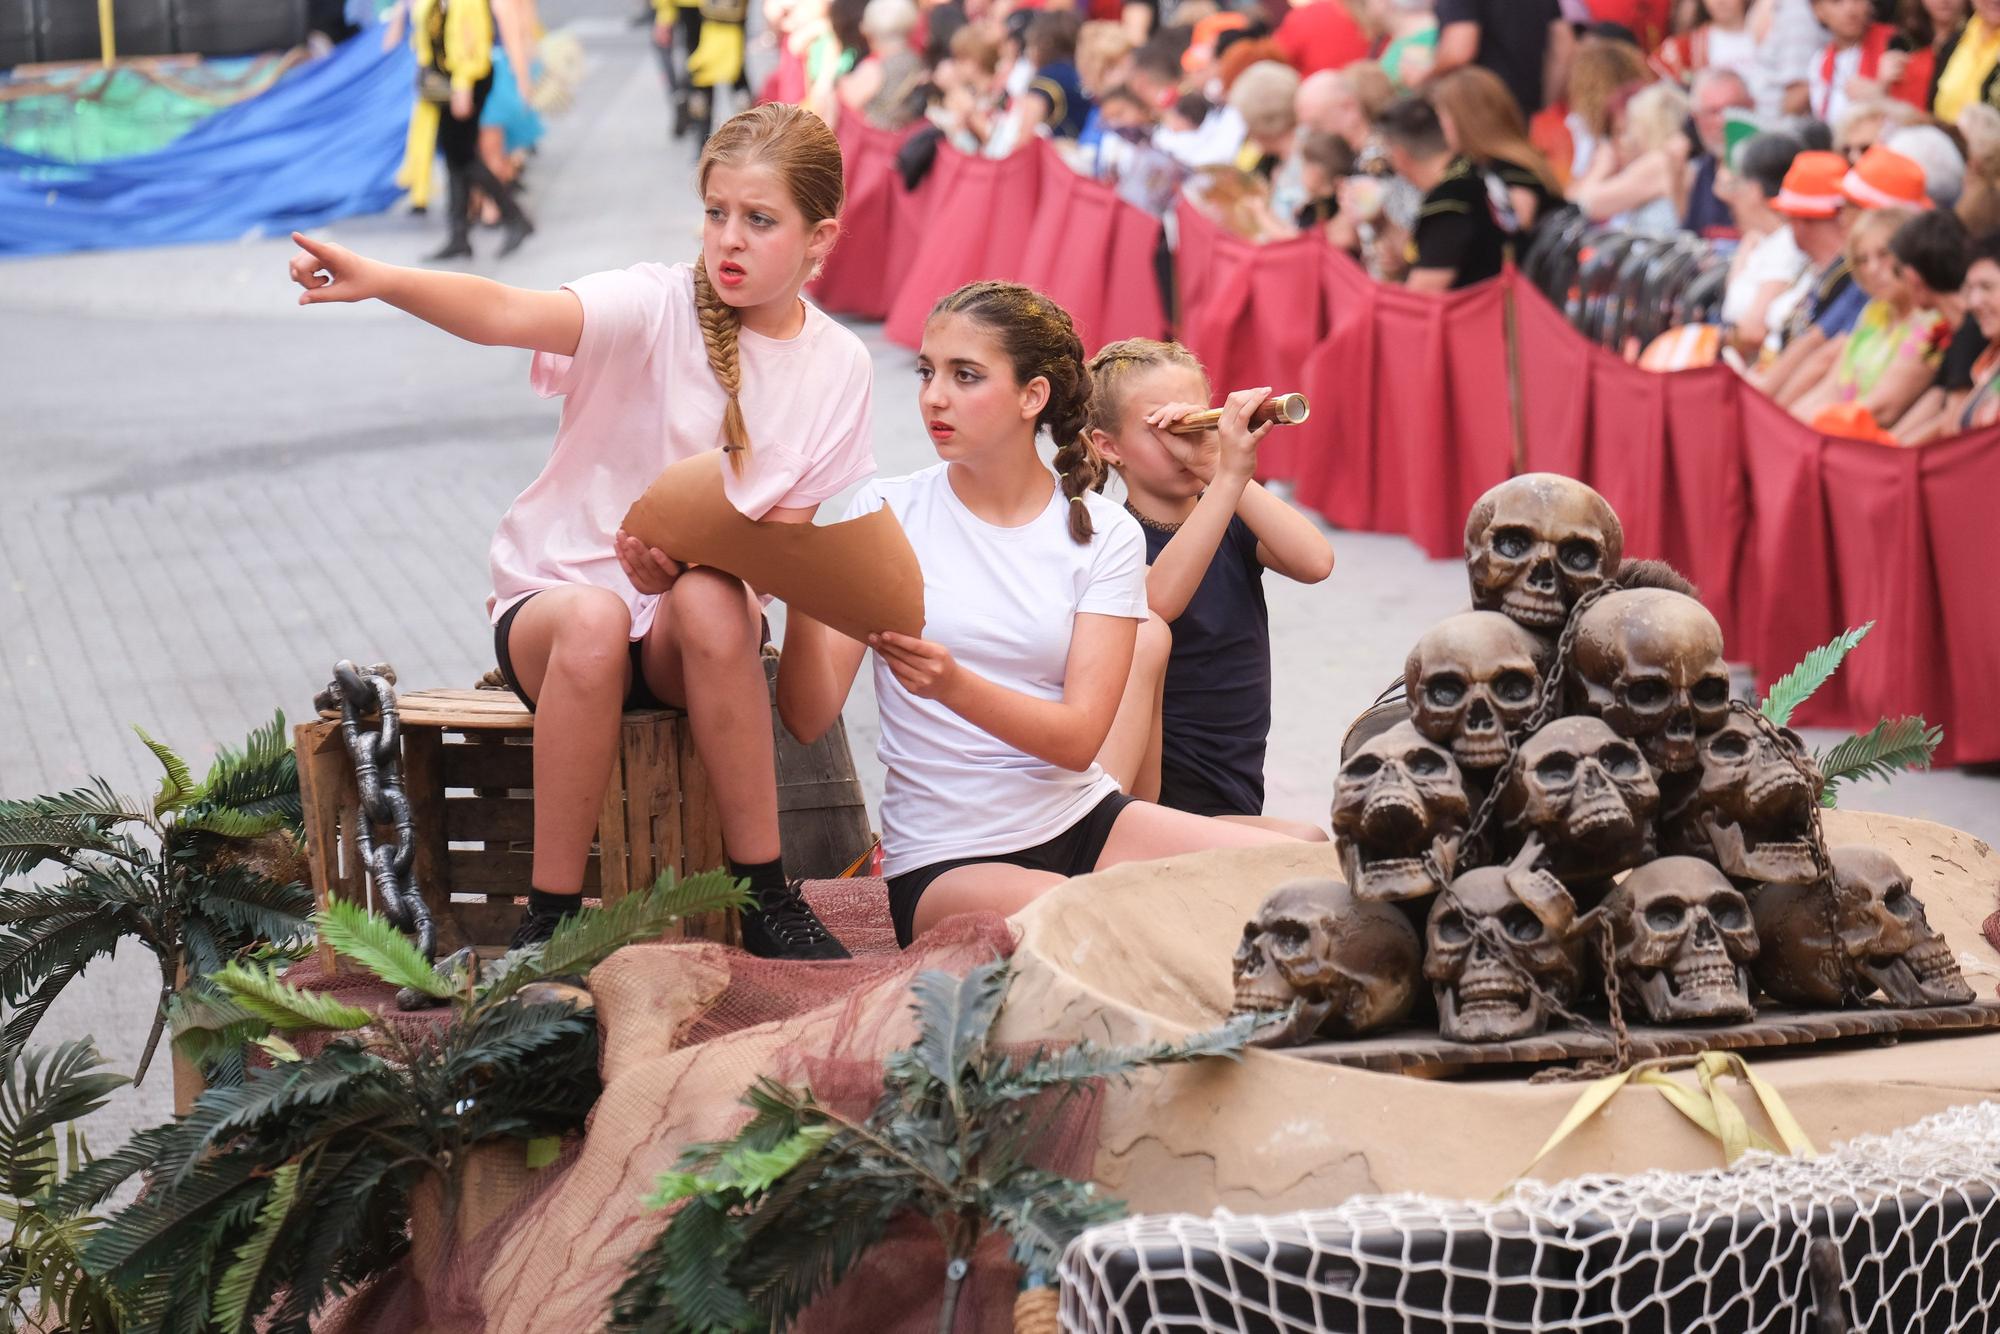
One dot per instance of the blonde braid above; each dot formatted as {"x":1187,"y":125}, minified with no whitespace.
{"x":719,"y":325}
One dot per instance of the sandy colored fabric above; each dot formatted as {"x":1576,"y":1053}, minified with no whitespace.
{"x":1142,"y":952}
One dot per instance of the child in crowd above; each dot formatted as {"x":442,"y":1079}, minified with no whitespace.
{"x":656,"y":363}
{"x":1211,"y":532}
{"x":1863,"y":59}
{"x":1035,"y":592}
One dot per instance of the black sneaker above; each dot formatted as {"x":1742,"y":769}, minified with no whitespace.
{"x":535,"y":928}
{"x":782,"y":926}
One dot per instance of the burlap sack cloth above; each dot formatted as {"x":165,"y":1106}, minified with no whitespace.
{"x":1142,"y":952}
{"x":685,"y":1029}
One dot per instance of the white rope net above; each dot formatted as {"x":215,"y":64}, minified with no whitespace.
{"x":1911,"y":1217}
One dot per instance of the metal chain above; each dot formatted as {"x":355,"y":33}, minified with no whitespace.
{"x":1815,"y":829}
{"x":384,"y":835}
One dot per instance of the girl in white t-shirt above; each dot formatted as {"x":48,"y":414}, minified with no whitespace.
{"x":654,"y":364}
{"x":1034,"y":591}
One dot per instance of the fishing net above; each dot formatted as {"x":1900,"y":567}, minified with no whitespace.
{"x":98,"y":115}
{"x":1889,"y":1233}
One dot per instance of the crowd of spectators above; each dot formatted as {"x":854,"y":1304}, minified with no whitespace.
{"x":1842,"y":157}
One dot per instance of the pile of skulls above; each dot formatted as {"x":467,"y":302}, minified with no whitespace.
{"x":1567,"y":803}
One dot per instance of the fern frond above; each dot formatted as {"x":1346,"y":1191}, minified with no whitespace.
{"x":21,"y":1023}
{"x":1086,"y":1061}
{"x":379,"y":947}
{"x":249,"y":1277}
{"x":40,"y":1090}
{"x":953,"y":1016}
{"x":95,"y":802}
{"x":89,"y":1185}
{"x":246,"y":909}
{"x":748,"y":1170}
{"x":228,"y":822}
{"x":28,"y":838}
{"x":178,"y":784}
{"x":1886,"y":749}
{"x":270,"y":998}
{"x":260,"y":780}
{"x":586,"y":938}
{"x":1797,"y":686}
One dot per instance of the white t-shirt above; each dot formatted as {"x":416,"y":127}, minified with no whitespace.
{"x":1776,"y":258}
{"x":1004,"y":601}
{"x":639,"y":395}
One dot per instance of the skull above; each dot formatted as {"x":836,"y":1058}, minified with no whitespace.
{"x":1472,"y":682}
{"x":1398,"y":797}
{"x":1867,"y":934}
{"x":1684,"y":942}
{"x":1350,"y":966}
{"x":1481,"y":996}
{"x":1587,"y":794}
{"x":1649,"y":662}
{"x":1536,"y":543}
{"x":1751,"y":812}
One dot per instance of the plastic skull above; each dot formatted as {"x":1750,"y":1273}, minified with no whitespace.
{"x":1839,"y":944}
{"x":1587,"y":794}
{"x":1472,"y":682}
{"x":1536,"y":543}
{"x":1398,"y":797}
{"x":1751,"y":811}
{"x":1481,"y":995}
{"x":1649,"y":662}
{"x":1685,"y":941}
{"x":1351,"y":967}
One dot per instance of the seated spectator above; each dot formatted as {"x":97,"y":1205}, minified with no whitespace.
{"x":1979,"y":201}
{"x":967,"y":97}
{"x":1481,"y":123}
{"x":1325,"y":161}
{"x":888,"y":86}
{"x":1528,"y":43}
{"x":1769,"y":261}
{"x":1894,"y":348}
{"x":1054,"y":102}
{"x":1823,"y":305}
{"x":1863,"y":60}
{"x":1721,"y":38}
{"x":1321,"y":34}
{"x":1636,"y":184}
{"x":1932,"y":149}
{"x":1602,"y":68}
{"x":1928,"y":27}
{"x":1982,"y":301}
{"x":1457,"y":241}
{"x":1716,"y":92}
{"x":1412,"y":32}
{"x":1102,"y":49}
{"x":1263,"y":96}
{"x":1934,"y":251}
{"x":1344,"y":102}
{"x":1865,"y":124}
{"x":1967,"y":65}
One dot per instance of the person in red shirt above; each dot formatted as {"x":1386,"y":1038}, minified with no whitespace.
{"x":1321,"y":34}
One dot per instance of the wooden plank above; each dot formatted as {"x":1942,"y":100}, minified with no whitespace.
{"x":614,"y":832}
{"x":493,"y":872}
{"x":1424,"y":1052}
{"x":652,"y":800}
{"x":423,"y":785}
{"x":489,"y":819}
{"x":489,"y":760}
{"x":701,"y":841}
{"x":798,"y":796}
{"x":321,"y":760}
{"x":485,"y":924}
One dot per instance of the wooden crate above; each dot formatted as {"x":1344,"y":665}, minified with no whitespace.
{"x":468,"y":764}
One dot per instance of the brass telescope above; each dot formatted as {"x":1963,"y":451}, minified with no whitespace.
{"x":1278,"y":409}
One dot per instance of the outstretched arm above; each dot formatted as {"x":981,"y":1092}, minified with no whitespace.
{"x":1067,"y":732}
{"x":476,"y":309}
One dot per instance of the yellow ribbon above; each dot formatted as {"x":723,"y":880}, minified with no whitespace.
{"x":1712,"y":1110}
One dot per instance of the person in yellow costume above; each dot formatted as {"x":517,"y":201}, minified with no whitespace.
{"x":453,"y":42}
{"x":711,"y":33}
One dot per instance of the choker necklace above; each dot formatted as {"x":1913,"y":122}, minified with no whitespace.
{"x":1153,"y":523}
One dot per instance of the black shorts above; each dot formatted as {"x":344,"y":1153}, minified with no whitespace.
{"x":637,"y":695}
{"x":1072,"y":852}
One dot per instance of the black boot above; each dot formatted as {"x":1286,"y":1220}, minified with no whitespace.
{"x":539,"y":920}
{"x":514,"y":225}
{"x":780,"y":924}
{"x":458,"y":214}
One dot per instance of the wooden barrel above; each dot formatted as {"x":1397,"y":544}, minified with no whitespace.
{"x":822,"y":814}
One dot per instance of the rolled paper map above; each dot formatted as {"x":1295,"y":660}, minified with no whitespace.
{"x":1278,"y":409}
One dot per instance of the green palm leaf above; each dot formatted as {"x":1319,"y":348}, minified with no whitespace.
{"x":258,"y":781}
{"x":40,"y":1090}
{"x":954,"y":1015}
{"x":270,"y":998}
{"x":1086,"y":1061}
{"x":1892,"y":745}
{"x":229,"y":822}
{"x":380,"y":948}
{"x":178,"y":784}
{"x":585,"y":939}
{"x":1797,"y":686}
{"x":252,"y":1274}
{"x":741,"y":1168}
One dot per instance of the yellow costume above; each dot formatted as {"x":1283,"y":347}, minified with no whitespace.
{"x":466,"y":31}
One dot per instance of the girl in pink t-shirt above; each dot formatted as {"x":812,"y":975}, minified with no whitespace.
{"x":656,"y":363}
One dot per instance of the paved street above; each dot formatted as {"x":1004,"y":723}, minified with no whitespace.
{"x":212,"y":494}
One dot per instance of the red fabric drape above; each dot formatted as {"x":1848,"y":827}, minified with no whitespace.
{"x":857,"y":278}
{"x":1960,"y":482}
{"x":979,"y":231}
{"x":1092,"y":253}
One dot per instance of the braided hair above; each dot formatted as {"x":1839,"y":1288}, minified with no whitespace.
{"x":1039,"y":340}
{"x":799,"y":147}
{"x":1115,"y":363}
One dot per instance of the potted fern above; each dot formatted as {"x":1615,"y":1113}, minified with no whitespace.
{"x":272,"y":1197}
{"x":771,"y":1219}
{"x":200,"y":873}
{"x":1889,"y":747}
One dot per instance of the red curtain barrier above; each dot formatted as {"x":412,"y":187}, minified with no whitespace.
{"x":1792,"y":536}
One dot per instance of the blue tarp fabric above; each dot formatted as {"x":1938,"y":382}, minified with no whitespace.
{"x":323,"y":143}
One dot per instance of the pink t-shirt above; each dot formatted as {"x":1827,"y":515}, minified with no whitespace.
{"x":639,"y":395}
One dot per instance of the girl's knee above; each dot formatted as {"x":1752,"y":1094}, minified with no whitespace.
{"x":591,"y":639}
{"x":712,"y":615}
